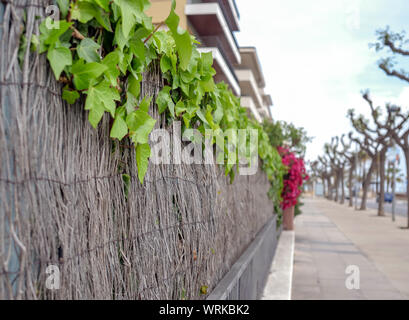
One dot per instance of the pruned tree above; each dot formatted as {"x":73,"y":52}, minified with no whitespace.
{"x":401,"y":138}
{"x":327,"y":173}
{"x":396,"y":44}
{"x":376,"y":139}
{"x":350,"y":156}
{"x":337,"y":162}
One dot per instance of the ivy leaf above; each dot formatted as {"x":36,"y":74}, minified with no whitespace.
{"x":120,"y":39}
{"x":201,"y":116}
{"x":99,"y":99}
{"x":87,"y":50}
{"x":130,"y":103}
{"x":64,"y":6}
{"x":83,"y":11}
{"x":131,"y":13}
{"x":70,"y":95}
{"x":207,"y":84}
{"x":137,"y":47}
{"x":143,"y":152}
{"x":164,"y":101}
{"x":95,"y":114}
{"x":59,"y":58}
{"x":140,"y":124}
{"x":182,"y":38}
{"x":85,"y":72}
{"x":180,"y":107}
{"x":134,"y":85}
{"x":207,"y":60}
{"x":111,"y":60}
{"x":119,"y":128}
{"x":103,"y":19}
{"x":104,"y":4}
{"x":203,"y":289}
{"x":165,"y":64}
{"x":144,"y":105}
{"x":51,"y":35}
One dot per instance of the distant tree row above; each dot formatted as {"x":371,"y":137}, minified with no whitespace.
{"x":371,"y":139}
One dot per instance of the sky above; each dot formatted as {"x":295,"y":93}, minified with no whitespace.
{"x":316,"y":59}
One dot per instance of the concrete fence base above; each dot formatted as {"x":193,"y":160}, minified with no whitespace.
{"x":247,"y":277}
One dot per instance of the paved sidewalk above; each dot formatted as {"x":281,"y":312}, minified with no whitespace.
{"x":330,"y":237}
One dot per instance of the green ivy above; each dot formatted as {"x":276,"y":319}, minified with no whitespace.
{"x":100,"y":51}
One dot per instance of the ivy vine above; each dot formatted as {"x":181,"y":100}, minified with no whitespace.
{"x":102,"y":47}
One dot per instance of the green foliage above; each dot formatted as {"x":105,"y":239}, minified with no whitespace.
{"x":282,"y":133}
{"x":102,"y":52}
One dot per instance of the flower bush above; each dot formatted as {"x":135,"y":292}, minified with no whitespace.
{"x":294,"y":178}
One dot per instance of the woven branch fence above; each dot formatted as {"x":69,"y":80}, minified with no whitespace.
{"x":63,"y":201}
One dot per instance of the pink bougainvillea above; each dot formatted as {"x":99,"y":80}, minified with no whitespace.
{"x":294,"y":179}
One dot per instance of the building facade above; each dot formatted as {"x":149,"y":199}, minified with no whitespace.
{"x":213,"y":22}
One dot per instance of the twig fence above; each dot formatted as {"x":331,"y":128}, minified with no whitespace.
{"x":63,"y":200}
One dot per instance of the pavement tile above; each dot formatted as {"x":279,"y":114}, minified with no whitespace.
{"x":329,"y":237}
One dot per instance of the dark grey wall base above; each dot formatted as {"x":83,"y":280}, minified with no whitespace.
{"x":246,"y":279}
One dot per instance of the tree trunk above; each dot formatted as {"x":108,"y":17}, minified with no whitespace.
{"x":329,"y":196}
{"x":382,"y":160}
{"x":366,"y":184}
{"x":336,"y":186}
{"x":342,"y":186}
{"x":406,"y":152}
{"x":350,"y":177}
{"x":324,"y":190}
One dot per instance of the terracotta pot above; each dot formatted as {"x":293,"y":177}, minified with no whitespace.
{"x":288,"y":218}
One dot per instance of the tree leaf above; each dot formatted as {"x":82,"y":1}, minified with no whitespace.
{"x":59,"y":58}
{"x":143,"y":152}
{"x":87,"y":50}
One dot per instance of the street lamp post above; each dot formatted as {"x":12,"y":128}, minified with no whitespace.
{"x":356,"y":178}
{"x":393,"y":191}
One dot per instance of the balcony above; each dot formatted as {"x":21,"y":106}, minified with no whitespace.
{"x":229,"y":9}
{"x":248,"y":103}
{"x":209,"y":22}
{"x":249,"y":87}
{"x":224,"y":72}
{"x":250,"y":60}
